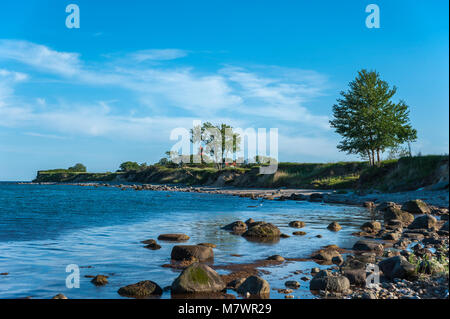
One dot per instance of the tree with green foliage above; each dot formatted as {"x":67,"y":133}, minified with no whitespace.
{"x":216,"y":140}
{"x":129,"y":166}
{"x":78,"y":168}
{"x":368,"y":120}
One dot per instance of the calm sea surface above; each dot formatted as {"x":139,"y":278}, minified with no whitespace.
{"x":44,"y":228}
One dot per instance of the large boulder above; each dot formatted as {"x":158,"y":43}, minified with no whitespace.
{"x":385,"y":205}
{"x":397,"y":267}
{"x":371,"y":227}
{"x":173,"y":237}
{"x":330,"y":283}
{"x":395,"y":236}
{"x":355,"y":276}
{"x":238,"y":227}
{"x":198,"y":278}
{"x":445,"y":226}
{"x":416,"y":206}
{"x":254,"y":286}
{"x":262,"y":230}
{"x":192,"y":253}
{"x":393,"y":212}
{"x":141,"y":289}
{"x":423,"y":222}
{"x":368,"y":245}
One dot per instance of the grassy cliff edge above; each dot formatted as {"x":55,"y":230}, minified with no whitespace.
{"x":396,"y":175}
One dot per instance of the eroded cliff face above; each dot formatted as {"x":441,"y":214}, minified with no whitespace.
{"x":403,"y":175}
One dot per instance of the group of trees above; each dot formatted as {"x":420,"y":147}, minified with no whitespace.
{"x":369,"y":122}
{"x":78,"y":168}
{"x":132,"y":166}
{"x":214,"y":143}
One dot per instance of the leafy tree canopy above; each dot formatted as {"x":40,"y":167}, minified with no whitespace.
{"x":79,"y":168}
{"x":129,"y":166}
{"x":368,"y":120}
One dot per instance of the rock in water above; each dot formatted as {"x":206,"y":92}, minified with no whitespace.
{"x":173,"y":237}
{"x":236,"y":227}
{"x":262,"y":230}
{"x":254,"y":286}
{"x":292,"y":284}
{"x":416,"y":206}
{"x":334,"y":226}
{"x":275,"y":258}
{"x":198,"y":278}
{"x":325,"y":254}
{"x":59,"y":296}
{"x":192,"y":253}
{"x":330,"y":283}
{"x":423,"y":222}
{"x":393,"y":212}
{"x":368,"y":245}
{"x":141,"y":289}
{"x":397,"y":267}
{"x":151,"y":244}
{"x":249,"y":221}
{"x":297,"y":224}
{"x":371,"y":227}
{"x":100,"y":280}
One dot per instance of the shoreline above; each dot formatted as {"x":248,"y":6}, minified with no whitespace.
{"x":396,"y":240}
{"x":437,"y":198}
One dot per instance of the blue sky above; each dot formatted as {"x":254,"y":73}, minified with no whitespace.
{"x":113,"y":90}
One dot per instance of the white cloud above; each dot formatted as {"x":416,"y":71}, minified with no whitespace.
{"x":40,"y":57}
{"x":158,"y":55}
{"x":231,"y":94}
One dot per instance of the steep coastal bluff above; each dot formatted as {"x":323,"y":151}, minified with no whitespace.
{"x":405,"y":174}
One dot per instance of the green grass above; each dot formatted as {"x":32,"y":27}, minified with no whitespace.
{"x":393,"y":175}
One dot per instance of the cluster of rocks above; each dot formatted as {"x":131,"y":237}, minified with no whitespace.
{"x":406,"y":270}
{"x":410,"y":251}
{"x":261,"y":231}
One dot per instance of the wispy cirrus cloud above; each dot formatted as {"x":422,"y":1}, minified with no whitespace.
{"x":158,"y":55}
{"x":168,"y":96}
{"x":41,"y":57}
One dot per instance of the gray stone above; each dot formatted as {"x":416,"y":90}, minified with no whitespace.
{"x":368,"y":245}
{"x":397,"y":267}
{"x":416,"y":206}
{"x":198,"y":278}
{"x":255,"y":286}
{"x":192,"y":253}
{"x":337,"y":284}
{"x":423,"y":222}
{"x":141,"y":289}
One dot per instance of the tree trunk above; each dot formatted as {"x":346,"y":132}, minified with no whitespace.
{"x":373,"y":157}
{"x":370,"y":158}
{"x":378,"y":156}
